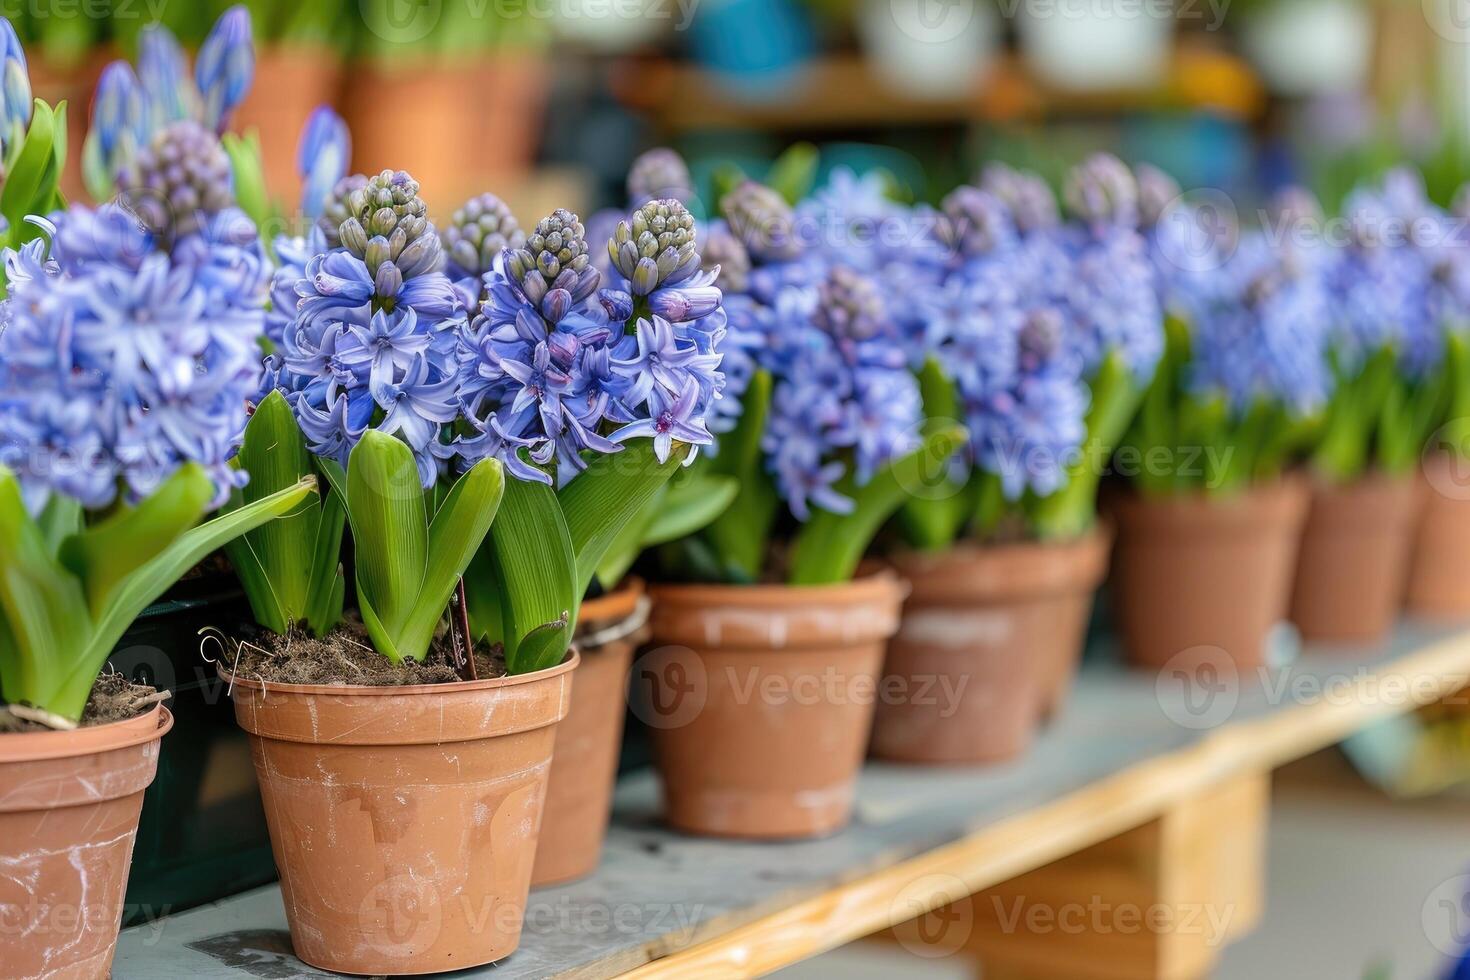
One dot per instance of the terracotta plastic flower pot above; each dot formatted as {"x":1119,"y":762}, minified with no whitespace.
{"x":989,"y":643}
{"x":290,"y":81}
{"x":584,"y":766}
{"x":1204,"y":577}
{"x":761,"y":700}
{"x":484,"y":112}
{"x":1438,"y":585}
{"x":1354,"y":553}
{"x":404,"y":820}
{"x":69,"y":804}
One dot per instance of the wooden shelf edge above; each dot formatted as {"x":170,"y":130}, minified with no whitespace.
{"x":1124,"y":800}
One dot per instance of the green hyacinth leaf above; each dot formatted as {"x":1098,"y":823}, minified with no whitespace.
{"x":829,"y":546}
{"x":390,"y":528}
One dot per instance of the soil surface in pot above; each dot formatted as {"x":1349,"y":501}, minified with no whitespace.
{"x":346,"y":656}
{"x":113,"y":698}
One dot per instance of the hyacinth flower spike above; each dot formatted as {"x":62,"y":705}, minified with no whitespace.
{"x":1397,"y":312}
{"x":169,"y":94}
{"x":115,"y":443}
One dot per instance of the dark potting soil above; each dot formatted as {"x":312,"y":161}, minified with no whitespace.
{"x":113,"y":698}
{"x":346,"y":656}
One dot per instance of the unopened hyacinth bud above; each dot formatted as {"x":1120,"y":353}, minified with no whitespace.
{"x":15,"y":83}
{"x":479,"y":230}
{"x":225,"y":67}
{"x":168,"y":94}
{"x":720,"y":249}
{"x":850,"y":305}
{"x":659,"y":174}
{"x":554,"y":257}
{"x":388,"y":222}
{"x":1032,"y":205}
{"x":762,"y":220}
{"x":1102,"y":190}
{"x":656,"y":244}
{"x":975,"y":222}
{"x":118,"y":127}
{"x":321,"y":159}
{"x":178,"y":181}
{"x":1156,"y":191}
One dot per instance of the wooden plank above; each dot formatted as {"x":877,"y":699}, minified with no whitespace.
{"x":1155,"y":903}
{"x":1075,"y":822}
{"x":1124,"y":752}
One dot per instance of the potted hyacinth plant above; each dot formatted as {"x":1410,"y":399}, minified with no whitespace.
{"x":1436,"y":588}
{"x":759,"y":687}
{"x":482,"y":461}
{"x":1394,"y":292}
{"x":1041,"y":336}
{"x":1212,"y":517}
{"x":127,"y":353}
{"x":614,"y":607}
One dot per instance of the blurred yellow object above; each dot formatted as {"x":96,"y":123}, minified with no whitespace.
{"x":1211,"y":79}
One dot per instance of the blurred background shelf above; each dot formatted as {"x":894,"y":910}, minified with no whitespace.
{"x":1128,"y":779}
{"x":845,"y":91}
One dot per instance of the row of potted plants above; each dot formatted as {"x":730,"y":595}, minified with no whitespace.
{"x":463,"y":60}
{"x":857,"y":446}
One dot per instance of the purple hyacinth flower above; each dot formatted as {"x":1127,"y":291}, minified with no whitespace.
{"x":416,"y":404}
{"x":658,"y":357}
{"x":542,"y":386}
{"x":672,"y":419}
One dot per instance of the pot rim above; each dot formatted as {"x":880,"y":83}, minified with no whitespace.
{"x":974,"y":574}
{"x":873,"y":580}
{"x":1101,"y":534}
{"x":613,"y":607}
{"x":568,"y":664}
{"x":88,"y":740}
{"x":1290,"y":490}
